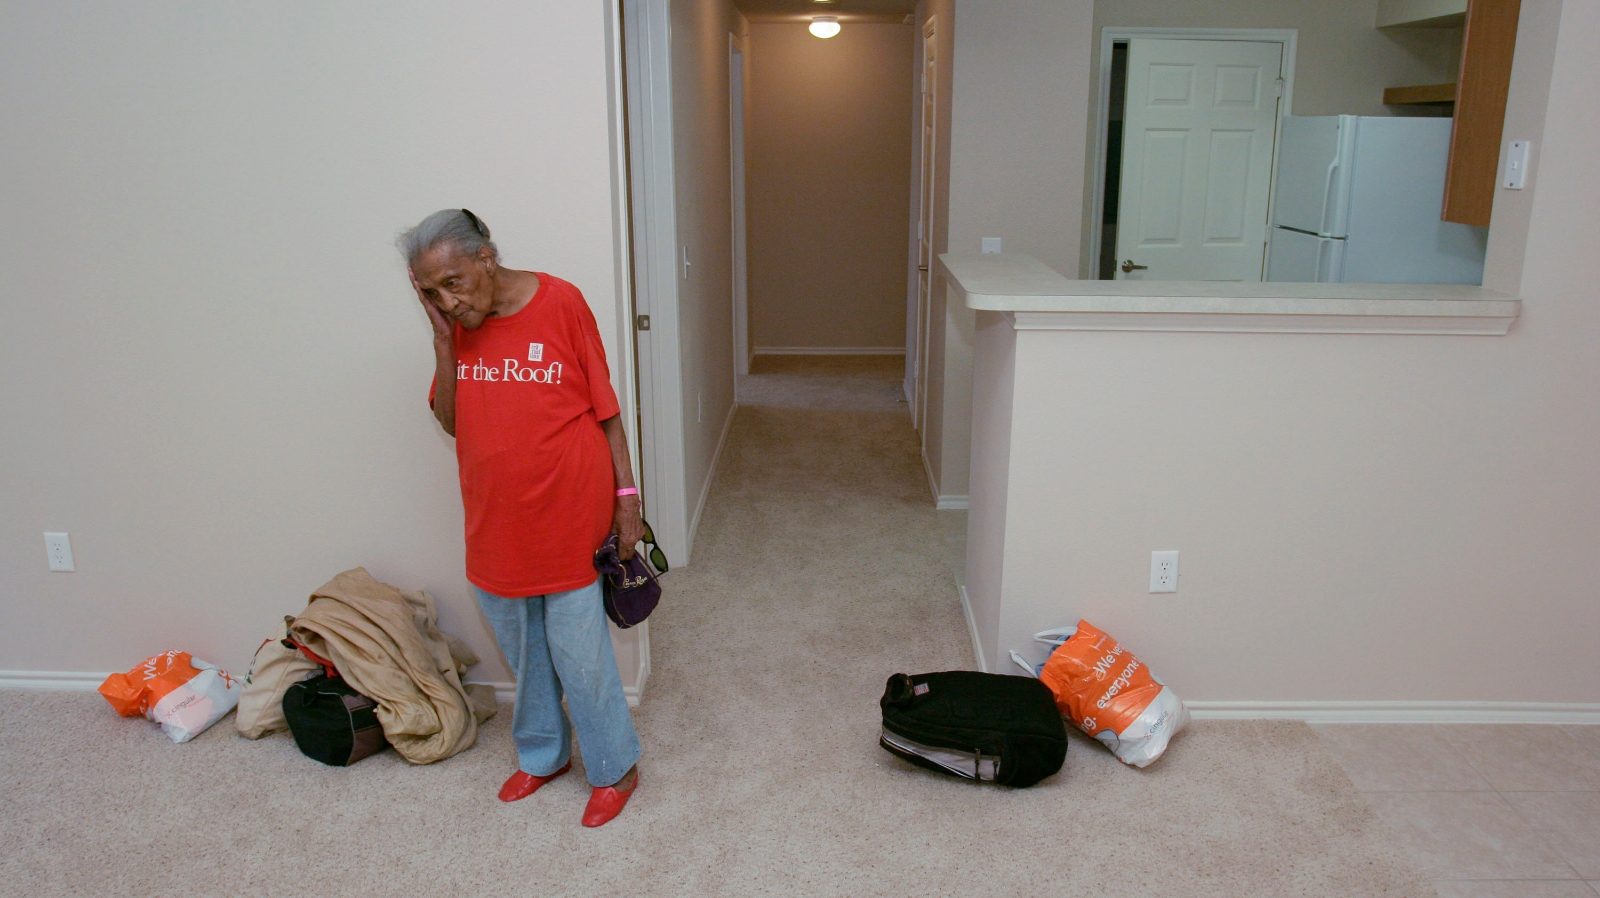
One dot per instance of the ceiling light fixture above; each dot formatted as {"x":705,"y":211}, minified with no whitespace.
{"x":824,"y":26}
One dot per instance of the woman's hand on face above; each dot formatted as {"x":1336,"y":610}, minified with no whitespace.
{"x":442,"y":330}
{"x":628,"y":524}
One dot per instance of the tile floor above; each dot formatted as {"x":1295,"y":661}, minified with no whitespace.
{"x":1487,"y":811}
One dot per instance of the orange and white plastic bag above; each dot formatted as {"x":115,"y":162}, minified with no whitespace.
{"x":183,"y":694}
{"x":1109,"y":693}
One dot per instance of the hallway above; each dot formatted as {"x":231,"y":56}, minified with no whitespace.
{"x":821,"y":568}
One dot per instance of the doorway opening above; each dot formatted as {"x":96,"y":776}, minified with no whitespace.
{"x":1186,"y":145}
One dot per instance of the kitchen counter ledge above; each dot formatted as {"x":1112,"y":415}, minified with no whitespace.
{"x":1034,"y":296}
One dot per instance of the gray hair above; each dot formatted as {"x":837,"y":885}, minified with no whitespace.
{"x":457,"y":226}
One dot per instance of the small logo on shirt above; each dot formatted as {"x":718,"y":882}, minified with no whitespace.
{"x":535,"y":352}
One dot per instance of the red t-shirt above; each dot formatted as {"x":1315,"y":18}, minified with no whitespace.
{"x":536,"y":477}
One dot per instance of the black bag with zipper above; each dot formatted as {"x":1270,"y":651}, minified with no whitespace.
{"x":330,"y":721}
{"x":990,"y":728}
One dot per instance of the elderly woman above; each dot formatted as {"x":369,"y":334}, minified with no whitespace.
{"x":521,"y":383}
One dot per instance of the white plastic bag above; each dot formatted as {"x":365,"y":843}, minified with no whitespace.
{"x":1108,"y":692}
{"x":182,"y":693}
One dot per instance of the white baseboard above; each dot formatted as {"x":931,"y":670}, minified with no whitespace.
{"x":1400,"y":712}
{"x":972,"y":628}
{"x":829,"y":350}
{"x":506,"y":693}
{"x":85,"y":681}
{"x":927,"y":468}
{"x":711,"y":476}
{"x":63,"y":680}
{"x":1310,"y":712}
{"x":941,"y":501}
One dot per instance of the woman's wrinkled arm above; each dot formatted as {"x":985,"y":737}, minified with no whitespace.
{"x":627,"y":515}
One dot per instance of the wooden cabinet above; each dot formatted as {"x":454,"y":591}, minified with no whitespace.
{"x":1487,"y":44}
{"x":1488,"y":38}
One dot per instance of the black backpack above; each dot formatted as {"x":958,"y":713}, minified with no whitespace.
{"x":985,"y":727}
{"x":331,"y":722}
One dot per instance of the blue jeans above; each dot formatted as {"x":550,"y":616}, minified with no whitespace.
{"x":560,"y":644}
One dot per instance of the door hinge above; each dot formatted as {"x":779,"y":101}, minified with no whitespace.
{"x":642,"y":322}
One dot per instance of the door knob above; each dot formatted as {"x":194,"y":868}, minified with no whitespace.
{"x":922,"y":268}
{"x":1128,"y":266}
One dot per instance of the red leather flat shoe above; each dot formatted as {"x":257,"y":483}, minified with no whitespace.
{"x":607,"y":802}
{"x":521,"y":785}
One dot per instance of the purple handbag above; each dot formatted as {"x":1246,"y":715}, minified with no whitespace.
{"x":630,"y":587}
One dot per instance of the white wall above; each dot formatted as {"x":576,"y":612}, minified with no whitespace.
{"x":1361,"y":518}
{"x":1016,"y":162}
{"x":699,"y":36}
{"x":828,"y":175}
{"x":216,"y":372}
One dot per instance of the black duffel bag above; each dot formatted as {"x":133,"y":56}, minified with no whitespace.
{"x":984,"y":727}
{"x":331,"y":722}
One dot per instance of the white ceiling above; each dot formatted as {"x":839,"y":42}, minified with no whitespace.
{"x":862,"y":11}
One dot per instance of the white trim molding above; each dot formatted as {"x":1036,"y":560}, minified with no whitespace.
{"x":829,"y":350}
{"x":972,"y":628}
{"x":648,"y":75}
{"x":941,"y":501}
{"x":711,"y":473}
{"x":506,"y":693}
{"x":1400,"y":712}
{"x":54,"y":680}
{"x":1318,"y":712}
{"x":87,"y":681}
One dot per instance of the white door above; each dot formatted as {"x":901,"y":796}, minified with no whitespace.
{"x":925,"y":201}
{"x":1197,"y":142}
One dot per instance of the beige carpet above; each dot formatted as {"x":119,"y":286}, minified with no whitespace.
{"x":819,"y":573}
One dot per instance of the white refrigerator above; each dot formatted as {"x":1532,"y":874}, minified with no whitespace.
{"x":1358,"y":201}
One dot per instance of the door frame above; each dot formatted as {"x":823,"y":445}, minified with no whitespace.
{"x":652,"y":221}
{"x":738,"y":56}
{"x":1111,"y":36}
{"x":925,"y":168}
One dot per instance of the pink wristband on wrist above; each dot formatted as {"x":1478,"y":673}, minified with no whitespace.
{"x":628,"y":491}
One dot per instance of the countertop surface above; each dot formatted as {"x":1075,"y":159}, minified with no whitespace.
{"x":1019,"y":283}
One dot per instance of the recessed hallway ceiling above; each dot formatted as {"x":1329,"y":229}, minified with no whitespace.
{"x":859,"y":11}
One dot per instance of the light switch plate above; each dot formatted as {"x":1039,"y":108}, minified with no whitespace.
{"x":1516,"y":175}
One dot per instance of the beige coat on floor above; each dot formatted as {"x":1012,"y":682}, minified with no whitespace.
{"x":386,"y":643}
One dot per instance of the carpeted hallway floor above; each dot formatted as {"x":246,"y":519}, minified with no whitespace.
{"x":820,"y":570}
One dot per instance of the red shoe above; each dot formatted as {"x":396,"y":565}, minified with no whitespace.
{"x":521,"y":785}
{"x":607,"y":802}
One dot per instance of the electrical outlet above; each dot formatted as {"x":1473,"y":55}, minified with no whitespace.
{"x":58,"y":550}
{"x":1164,"y":571}
{"x":990,"y":245}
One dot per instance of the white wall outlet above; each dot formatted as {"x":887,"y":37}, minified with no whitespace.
{"x":1164,"y":571}
{"x":58,"y":550}
{"x":990,"y":245}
